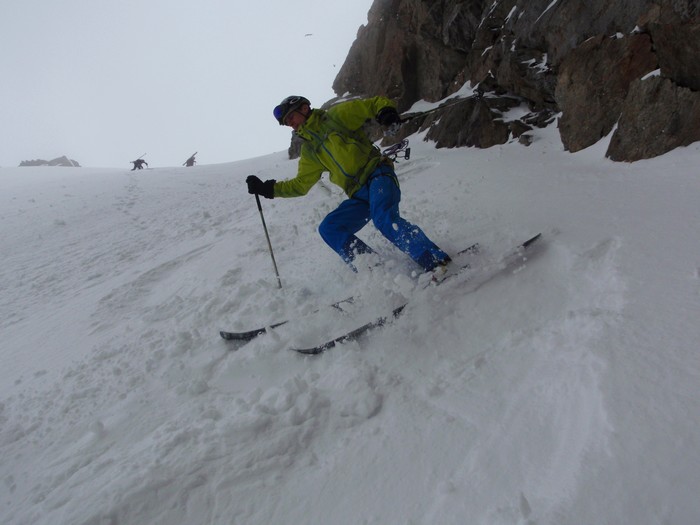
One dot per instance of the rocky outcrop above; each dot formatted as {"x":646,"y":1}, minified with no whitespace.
{"x":581,"y":59}
{"x":59,"y":161}
{"x":401,"y":52}
{"x":661,"y":113}
{"x":481,"y":129}
{"x":599,"y":72}
{"x":678,"y":49}
{"x":657,"y":116}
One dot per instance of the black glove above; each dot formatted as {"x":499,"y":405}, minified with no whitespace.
{"x":258,"y":187}
{"x":388,"y":116}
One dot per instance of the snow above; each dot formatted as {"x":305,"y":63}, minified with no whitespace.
{"x":655,"y":73}
{"x":565,"y":391}
{"x":552,"y":4}
{"x":466,"y":91}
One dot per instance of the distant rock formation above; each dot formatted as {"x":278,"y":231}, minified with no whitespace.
{"x":626,"y":67}
{"x":60,"y":161}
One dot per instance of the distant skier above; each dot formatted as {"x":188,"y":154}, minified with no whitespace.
{"x":138,"y":164}
{"x":334,"y":142}
{"x":190,"y":162}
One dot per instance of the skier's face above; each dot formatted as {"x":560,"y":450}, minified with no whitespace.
{"x":297,"y":117}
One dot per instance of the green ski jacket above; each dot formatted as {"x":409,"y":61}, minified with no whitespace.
{"x":334,"y":142}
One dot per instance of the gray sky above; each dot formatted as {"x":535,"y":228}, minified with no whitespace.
{"x":103,"y":81}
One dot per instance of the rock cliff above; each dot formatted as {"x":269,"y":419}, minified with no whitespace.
{"x":626,"y":67}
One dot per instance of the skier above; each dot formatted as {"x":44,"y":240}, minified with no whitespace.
{"x":334,"y":142}
{"x":138,"y":164}
{"x":190,"y":162}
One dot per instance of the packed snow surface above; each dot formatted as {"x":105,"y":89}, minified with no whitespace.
{"x":565,"y":391}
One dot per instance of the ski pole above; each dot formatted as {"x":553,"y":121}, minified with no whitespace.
{"x":267,"y":235}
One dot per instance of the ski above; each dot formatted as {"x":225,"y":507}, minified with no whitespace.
{"x":252,"y":334}
{"x":352,"y":335}
{"x":378,"y":322}
{"x":396,"y":312}
{"x":249,"y":335}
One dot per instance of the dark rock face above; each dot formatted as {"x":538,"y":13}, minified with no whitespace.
{"x":400,"y":53}
{"x":599,"y":73}
{"x":657,"y":116}
{"x":678,"y":49}
{"x":469,"y":123}
{"x":576,"y":58}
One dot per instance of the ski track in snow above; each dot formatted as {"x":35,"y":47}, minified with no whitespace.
{"x":553,"y":370}
{"x":494,"y":404}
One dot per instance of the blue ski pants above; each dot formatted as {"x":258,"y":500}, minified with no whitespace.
{"x":378,"y":201}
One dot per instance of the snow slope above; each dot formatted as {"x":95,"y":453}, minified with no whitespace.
{"x":565,"y":391}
